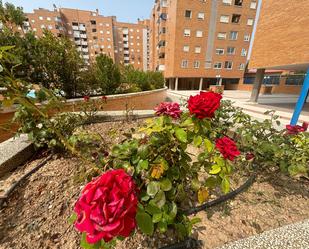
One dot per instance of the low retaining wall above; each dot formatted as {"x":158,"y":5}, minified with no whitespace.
{"x":133,"y":101}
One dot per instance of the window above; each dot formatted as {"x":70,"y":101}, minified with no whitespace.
{"x":107,"y":24}
{"x":198,"y":50}
{"x":108,"y":32}
{"x":201,"y":16}
{"x":42,"y":26}
{"x":253,"y":5}
{"x":207,"y":65}
{"x":33,"y":21}
{"x":247,"y":38}
{"x":236,"y":18}
{"x":229,"y":2}
{"x":233,"y":35}
{"x":217,"y":65}
{"x":188,"y":13}
{"x":93,"y":22}
{"x":242,"y":66}
{"x":231,"y":50}
{"x":199,"y":33}
{"x":41,"y":17}
{"x":164,"y":3}
{"x":244,"y":52}
{"x":48,"y":19}
{"x":221,"y":36}
{"x":184,"y":64}
{"x":94,"y":30}
{"x":220,"y":51}
{"x":196,"y":64}
{"x":186,"y":48}
{"x":50,"y":26}
{"x":250,"y":21}
{"x":187,"y":32}
{"x":225,"y":19}
{"x":101,"y":31}
{"x":228,"y":65}
{"x":238,"y":2}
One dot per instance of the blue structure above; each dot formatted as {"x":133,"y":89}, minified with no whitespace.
{"x":301,"y":100}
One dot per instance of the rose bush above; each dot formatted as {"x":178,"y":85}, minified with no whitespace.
{"x":295,"y":129}
{"x":107,"y":207}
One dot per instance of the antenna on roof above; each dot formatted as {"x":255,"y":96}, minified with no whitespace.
{"x":55,"y":7}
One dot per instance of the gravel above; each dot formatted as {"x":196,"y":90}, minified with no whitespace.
{"x":294,"y":236}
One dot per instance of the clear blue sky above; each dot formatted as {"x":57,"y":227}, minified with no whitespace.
{"x":125,"y":10}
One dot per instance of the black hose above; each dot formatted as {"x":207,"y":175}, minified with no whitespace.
{"x":189,"y":243}
{"x":223,"y":198}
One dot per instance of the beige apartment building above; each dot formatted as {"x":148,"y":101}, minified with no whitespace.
{"x":94,"y":34}
{"x":198,"y":43}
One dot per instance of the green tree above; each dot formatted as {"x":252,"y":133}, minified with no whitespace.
{"x":107,"y":74}
{"x":11,"y":15}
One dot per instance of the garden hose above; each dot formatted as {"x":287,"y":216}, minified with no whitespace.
{"x":223,"y":198}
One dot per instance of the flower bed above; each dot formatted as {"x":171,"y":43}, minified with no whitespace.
{"x":37,"y":213}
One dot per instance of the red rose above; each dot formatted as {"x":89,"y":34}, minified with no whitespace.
{"x":169,"y":109}
{"x":86,"y":98}
{"x":107,"y":207}
{"x":204,"y":104}
{"x":295,"y":129}
{"x":250,"y":156}
{"x":228,"y":148}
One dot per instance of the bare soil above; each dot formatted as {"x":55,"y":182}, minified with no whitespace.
{"x":36,"y":214}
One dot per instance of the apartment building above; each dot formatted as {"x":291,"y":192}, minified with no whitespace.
{"x":94,"y":34}
{"x":281,"y":43}
{"x":198,"y":43}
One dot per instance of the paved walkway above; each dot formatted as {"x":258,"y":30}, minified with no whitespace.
{"x":294,"y":236}
{"x":283,"y":104}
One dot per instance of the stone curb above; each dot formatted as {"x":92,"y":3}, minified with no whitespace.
{"x":16,"y":151}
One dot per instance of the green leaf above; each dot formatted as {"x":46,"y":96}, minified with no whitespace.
{"x":225,"y":185}
{"x":187,"y":122}
{"x":195,"y":220}
{"x":72,"y":218}
{"x":181,"y":135}
{"x":159,"y":199}
{"x":153,"y":188}
{"x":145,"y":223}
{"x":173,"y":212}
{"x":208,"y":145}
{"x":151,"y":209}
{"x":162,"y":226}
{"x":84,"y":244}
{"x":143,"y":164}
{"x":166,"y":184}
{"x":143,"y":151}
{"x":197,"y":141}
{"x":156,"y":217}
{"x":215,"y":169}
{"x":195,"y":184}
{"x":181,"y":230}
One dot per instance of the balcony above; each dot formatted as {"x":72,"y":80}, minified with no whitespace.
{"x":125,"y":39}
{"x":78,"y":42}
{"x":75,"y":28}
{"x":125,"y":31}
{"x":126,"y":52}
{"x":76,"y":35}
{"x":86,"y":50}
{"x":82,"y":28}
{"x":86,"y":56}
{"x":83,"y":36}
{"x":126,"y":45}
{"x":84,"y":43}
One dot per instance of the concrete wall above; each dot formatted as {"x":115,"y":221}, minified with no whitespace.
{"x":136,"y":101}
